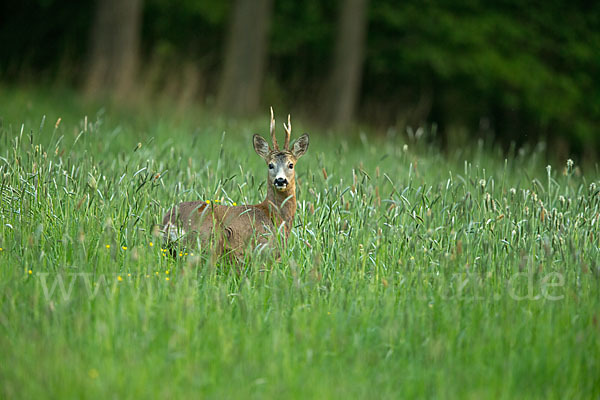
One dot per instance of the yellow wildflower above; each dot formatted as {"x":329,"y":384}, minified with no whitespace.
{"x":108,"y":246}
{"x":234,"y":203}
{"x":124,"y":247}
{"x":119,"y":278}
{"x":207,"y":201}
{"x":151,"y":244}
{"x":1,"y":249}
{"x":30,"y":272}
{"x":167,"y":272}
{"x":167,"y":278}
{"x":93,"y":373}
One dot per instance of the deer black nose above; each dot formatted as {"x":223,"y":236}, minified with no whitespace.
{"x":280,"y":182}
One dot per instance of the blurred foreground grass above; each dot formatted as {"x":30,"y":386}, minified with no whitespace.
{"x":408,"y":274}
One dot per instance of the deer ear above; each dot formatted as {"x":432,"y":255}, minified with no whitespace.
{"x":300,"y":146}
{"x":260,"y":146}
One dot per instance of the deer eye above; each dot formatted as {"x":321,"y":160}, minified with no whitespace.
{"x":291,"y":166}
{"x":271,"y":166}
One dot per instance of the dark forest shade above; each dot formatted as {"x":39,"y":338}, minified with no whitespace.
{"x":343,"y":86}
{"x":241,"y":80}
{"x":513,"y":71}
{"x":114,"y":47}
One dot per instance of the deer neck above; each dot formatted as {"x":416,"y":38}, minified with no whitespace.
{"x":282,"y":205}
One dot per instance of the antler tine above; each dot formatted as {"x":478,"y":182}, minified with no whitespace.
{"x":288,"y":132}
{"x":275,"y":145}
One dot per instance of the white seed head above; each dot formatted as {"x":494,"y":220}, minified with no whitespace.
{"x":570,"y":163}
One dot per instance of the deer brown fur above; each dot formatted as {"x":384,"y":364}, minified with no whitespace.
{"x":231,"y":230}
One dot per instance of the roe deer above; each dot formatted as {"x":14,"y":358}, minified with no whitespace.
{"x":233,"y":229}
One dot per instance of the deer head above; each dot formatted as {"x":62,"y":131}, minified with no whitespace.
{"x":281,"y":162}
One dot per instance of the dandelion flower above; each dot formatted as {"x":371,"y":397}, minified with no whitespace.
{"x":151,"y":244}
{"x":167,"y":278}
{"x":234,"y":203}
{"x":167,"y":272}
{"x":1,"y":249}
{"x":119,"y":278}
{"x":30,"y":272}
{"x":128,"y":274}
{"x":124,"y":247}
{"x":108,"y":246}
{"x":207,"y":201}
{"x":156,"y":273}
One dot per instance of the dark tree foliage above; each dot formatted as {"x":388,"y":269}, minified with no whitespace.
{"x":42,"y":37}
{"x":530,"y":68}
{"x":510,"y":69}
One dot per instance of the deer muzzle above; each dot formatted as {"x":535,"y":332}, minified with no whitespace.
{"x":280,"y":183}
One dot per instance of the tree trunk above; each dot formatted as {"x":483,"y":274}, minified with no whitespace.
{"x":343,"y":86}
{"x":241,"y":80}
{"x":114,"y":47}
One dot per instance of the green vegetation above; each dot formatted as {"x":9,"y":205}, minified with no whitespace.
{"x":408,"y":274}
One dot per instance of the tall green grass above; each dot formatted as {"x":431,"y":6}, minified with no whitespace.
{"x":408,"y":273}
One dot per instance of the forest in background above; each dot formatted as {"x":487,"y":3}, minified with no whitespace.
{"x":506,"y":70}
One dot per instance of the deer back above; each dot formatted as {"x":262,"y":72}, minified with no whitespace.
{"x":229,"y":228}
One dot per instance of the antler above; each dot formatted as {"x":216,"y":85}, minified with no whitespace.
{"x":288,"y":133}
{"x":275,"y":145}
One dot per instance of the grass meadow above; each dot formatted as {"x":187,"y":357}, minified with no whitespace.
{"x":409,"y":273}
